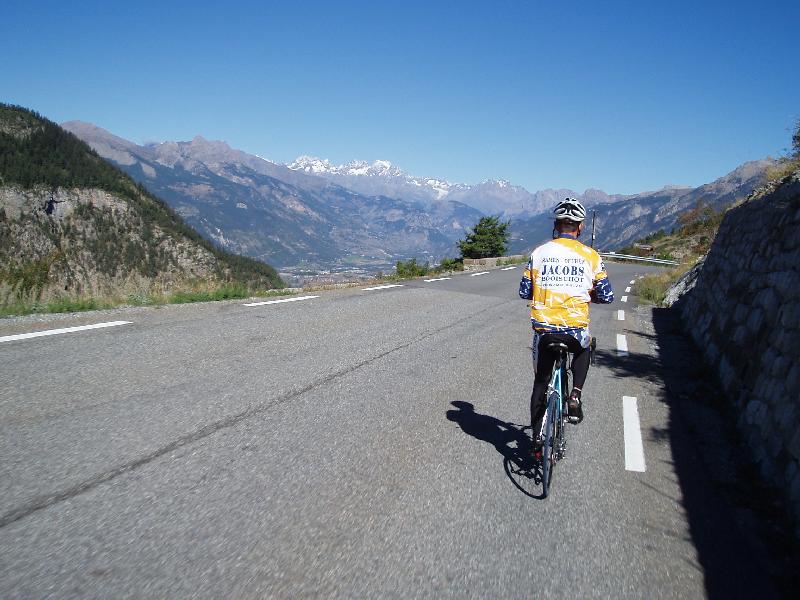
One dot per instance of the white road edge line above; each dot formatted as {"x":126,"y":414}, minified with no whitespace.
{"x":281,"y":301}
{"x":622,"y":345}
{"x":382,"y":287}
{"x":437,"y":279}
{"x":620,"y":315}
{"x":481,"y":273}
{"x":624,"y":298}
{"x":25,"y":336}
{"x":508,"y":268}
{"x":634,"y":449}
{"x":627,"y":289}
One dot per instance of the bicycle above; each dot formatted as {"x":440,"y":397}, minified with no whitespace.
{"x":555,"y":417}
{"x":554,"y":443}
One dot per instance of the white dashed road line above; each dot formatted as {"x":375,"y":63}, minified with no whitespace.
{"x":634,"y":449}
{"x":624,"y":298}
{"x":281,"y":301}
{"x":627,"y":289}
{"x":633,"y":281}
{"x":481,"y":273}
{"x":437,"y":279}
{"x":382,"y":287}
{"x":25,"y":336}
{"x":622,"y":345}
{"x":508,"y":268}
{"x":620,"y":315}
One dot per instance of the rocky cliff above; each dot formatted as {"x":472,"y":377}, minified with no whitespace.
{"x":89,"y":242}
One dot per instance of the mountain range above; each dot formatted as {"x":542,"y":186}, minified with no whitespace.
{"x":284,"y":216}
{"x":312,"y":214}
{"x":629,"y":218}
{"x":491,"y":197}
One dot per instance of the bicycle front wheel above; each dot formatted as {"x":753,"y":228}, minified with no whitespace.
{"x":566,"y":381}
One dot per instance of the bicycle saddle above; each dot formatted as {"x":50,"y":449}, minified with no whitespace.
{"x":556,"y":347}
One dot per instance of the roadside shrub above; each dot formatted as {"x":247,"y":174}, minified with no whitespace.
{"x":411,"y":268}
{"x":451,"y":264}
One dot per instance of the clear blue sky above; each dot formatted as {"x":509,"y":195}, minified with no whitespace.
{"x":621,"y":96}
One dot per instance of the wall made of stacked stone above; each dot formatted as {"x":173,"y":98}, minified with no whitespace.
{"x":744,"y":312}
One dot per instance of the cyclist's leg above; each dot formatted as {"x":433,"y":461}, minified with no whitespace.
{"x":544,"y":368}
{"x":580,"y":368}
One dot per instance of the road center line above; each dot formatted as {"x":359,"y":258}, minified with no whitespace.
{"x":620,"y":315}
{"x":508,"y":268}
{"x":627,"y":289}
{"x":624,"y":298}
{"x":382,"y":287}
{"x":634,"y":449}
{"x":481,"y":273}
{"x":25,"y":336}
{"x":281,"y":301}
{"x":437,"y":279}
{"x":622,"y":345}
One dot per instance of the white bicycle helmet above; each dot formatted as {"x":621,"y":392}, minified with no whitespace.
{"x":570,"y":209}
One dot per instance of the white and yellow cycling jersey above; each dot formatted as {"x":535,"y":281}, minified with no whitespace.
{"x":561,"y":278}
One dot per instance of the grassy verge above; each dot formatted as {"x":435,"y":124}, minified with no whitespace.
{"x":653,"y":288}
{"x":56,"y":305}
{"x":205,"y":293}
{"x":226,"y":292}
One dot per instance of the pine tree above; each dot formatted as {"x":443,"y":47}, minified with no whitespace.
{"x":489,"y":238}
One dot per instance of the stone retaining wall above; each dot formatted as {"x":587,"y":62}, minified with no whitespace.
{"x":744,"y":312}
{"x":476,"y":264}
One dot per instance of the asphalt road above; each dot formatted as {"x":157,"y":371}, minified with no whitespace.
{"x":360,"y":444}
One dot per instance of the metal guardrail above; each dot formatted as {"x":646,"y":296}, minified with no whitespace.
{"x":658,"y":261}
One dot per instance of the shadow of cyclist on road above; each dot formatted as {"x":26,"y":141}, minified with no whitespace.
{"x":509,"y":439}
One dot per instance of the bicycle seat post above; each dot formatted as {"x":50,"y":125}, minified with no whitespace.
{"x":561,"y":349}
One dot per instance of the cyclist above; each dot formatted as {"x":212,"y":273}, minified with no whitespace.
{"x":561,"y":278}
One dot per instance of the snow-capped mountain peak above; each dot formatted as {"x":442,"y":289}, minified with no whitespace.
{"x":363,"y":171}
{"x":498,"y":183}
{"x":312,"y":164}
{"x":322,"y":166}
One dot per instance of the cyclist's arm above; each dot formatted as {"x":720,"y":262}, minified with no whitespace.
{"x":602,"y":292}
{"x":526,"y":285}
